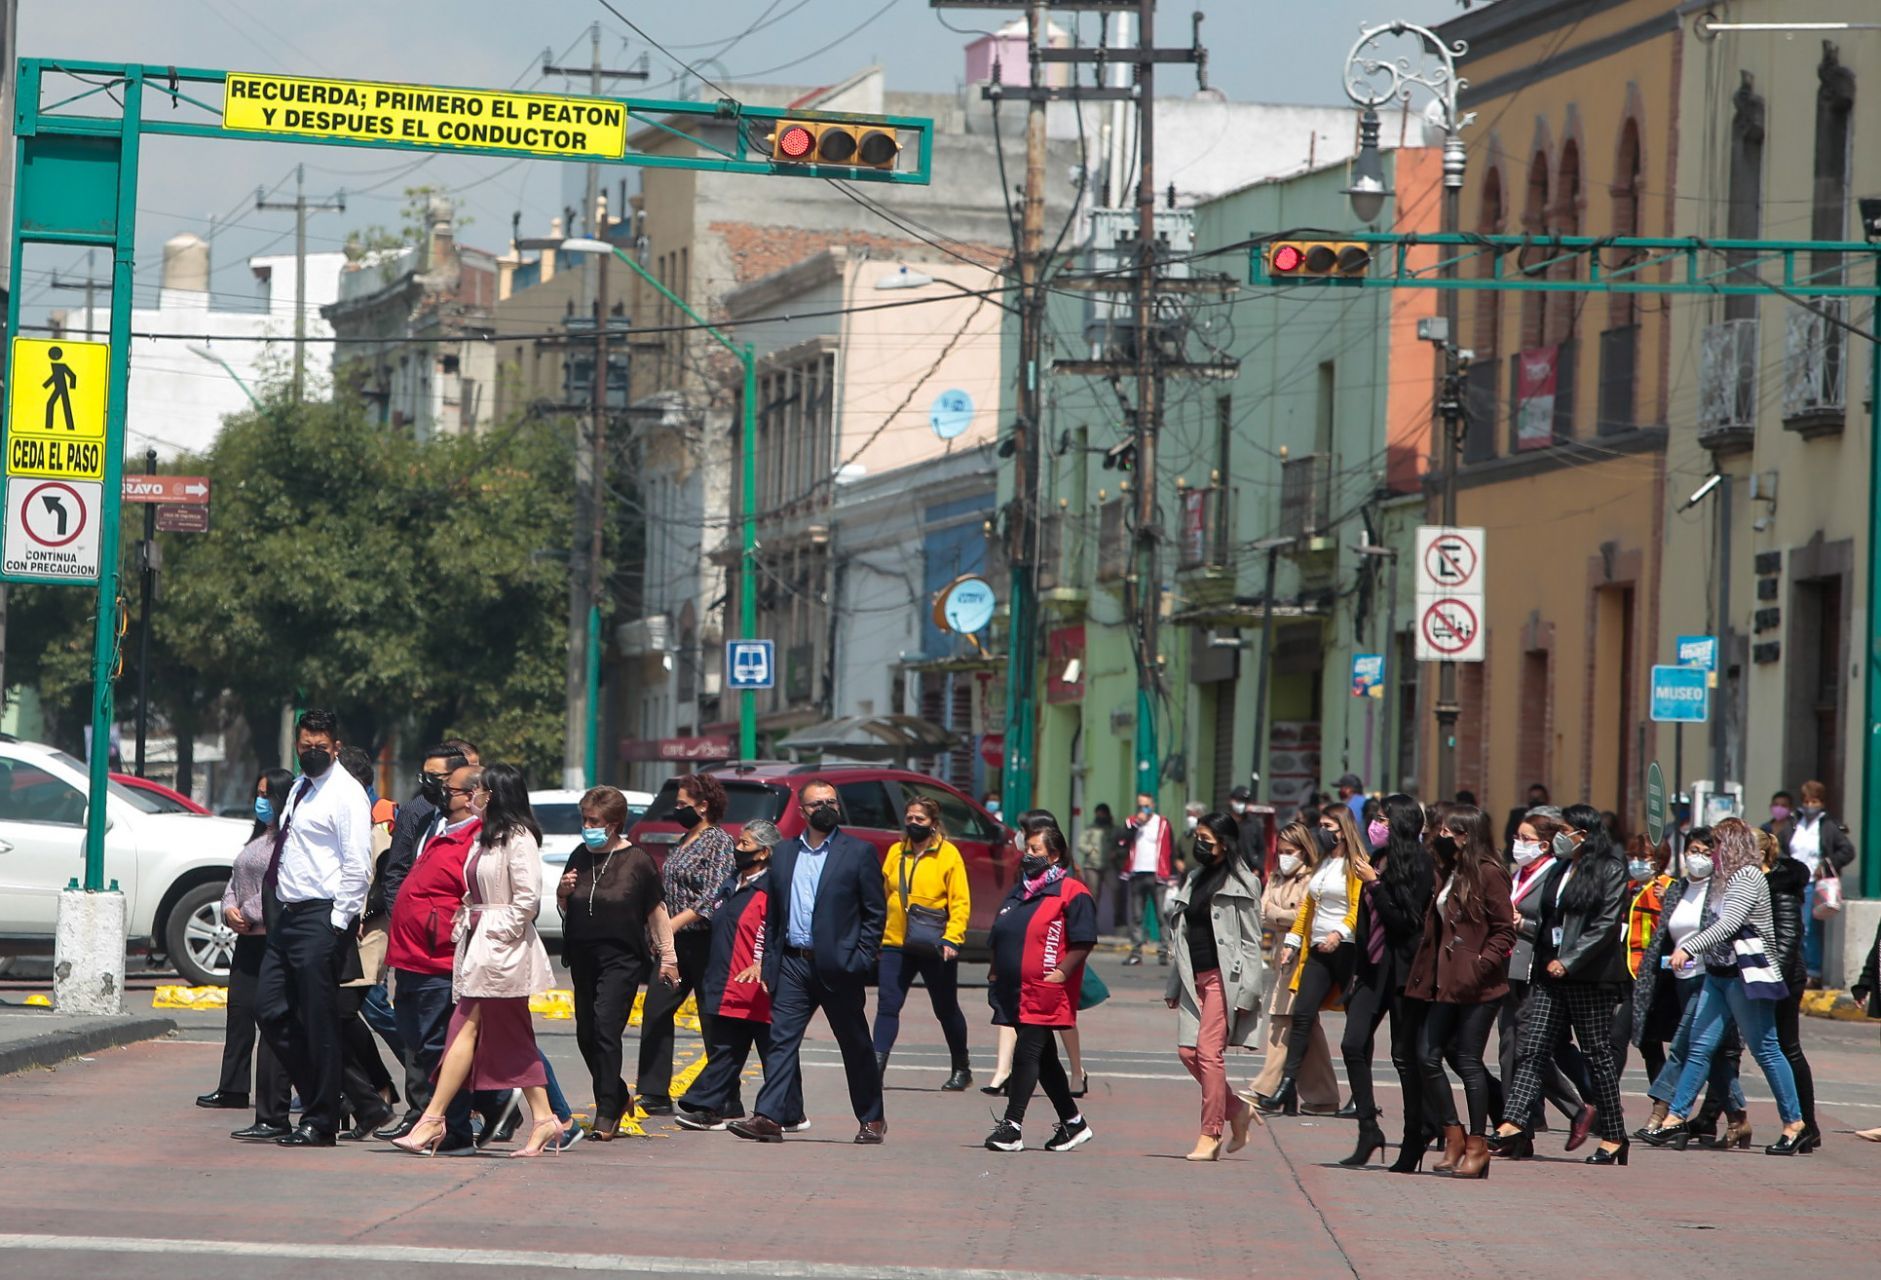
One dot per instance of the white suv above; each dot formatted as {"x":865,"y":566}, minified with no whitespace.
{"x":558,"y":813}
{"x":171,"y":867}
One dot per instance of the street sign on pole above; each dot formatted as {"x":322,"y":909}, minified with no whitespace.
{"x":751,"y":664}
{"x":1655,"y":804}
{"x":1450,"y":606}
{"x":1680,"y":695}
{"x":180,"y":519}
{"x":173,"y":491}
{"x":1698,"y":651}
{"x":52,"y":530}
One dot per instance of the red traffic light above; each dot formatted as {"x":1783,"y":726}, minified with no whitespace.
{"x":1287,"y":258}
{"x":795,"y":142}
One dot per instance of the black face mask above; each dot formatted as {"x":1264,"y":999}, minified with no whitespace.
{"x":432,"y":789}
{"x":1034,"y":865}
{"x":824,"y":820}
{"x":1445,"y":845}
{"x":1205,"y":852}
{"x":917,"y":832}
{"x":747,"y":858}
{"x":315,"y":761}
{"x":1328,"y":841}
{"x":686,"y":816}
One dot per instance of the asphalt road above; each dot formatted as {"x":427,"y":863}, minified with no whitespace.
{"x":106,"y":1169}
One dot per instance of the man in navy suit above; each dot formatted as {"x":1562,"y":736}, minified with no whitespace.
{"x":822,"y":939}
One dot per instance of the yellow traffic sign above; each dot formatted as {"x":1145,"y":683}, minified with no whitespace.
{"x":418,"y":115}
{"x":58,"y":389}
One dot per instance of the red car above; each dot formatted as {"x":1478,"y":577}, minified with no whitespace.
{"x":154,"y":797}
{"x":874,"y":798}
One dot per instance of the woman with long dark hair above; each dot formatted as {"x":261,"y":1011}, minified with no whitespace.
{"x":1399,"y":881}
{"x":1536,"y":876}
{"x":241,"y":911}
{"x":1580,"y":954}
{"x":500,"y":963}
{"x":1297,"y":855}
{"x":1789,"y":879}
{"x":1462,"y":969}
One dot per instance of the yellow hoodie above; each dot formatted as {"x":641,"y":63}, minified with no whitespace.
{"x":939,"y":879}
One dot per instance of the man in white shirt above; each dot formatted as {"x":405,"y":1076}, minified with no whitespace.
{"x":1151,"y":868}
{"x":312,"y":896}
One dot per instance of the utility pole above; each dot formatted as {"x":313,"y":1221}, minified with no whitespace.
{"x":300,"y":206}
{"x":149,"y":561}
{"x":88,"y":285}
{"x":598,"y":511}
{"x":1148,"y":418}
{"x":596,"y":73}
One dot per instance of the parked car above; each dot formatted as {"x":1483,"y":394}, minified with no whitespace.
{"x":874,"y":798}
{"x":171,"y":866}
{"x":559,"y":813}
{"x":158,"y":798}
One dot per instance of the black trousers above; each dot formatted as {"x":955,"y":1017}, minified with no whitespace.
{"x":362,"y":1070}
{"x":1790,"y":1035}
{"x":1036,"y":1065}
{"x":1321,"y":974}
{"x":242,"y":1043}
{"x":1368,"y":1007}
{"x":1457,"y":1032}
{"x":297,"y":1007}
{"x":1651,"y":1054}
{"x":1557,"y":1085}
{"x":693,"y":950}
{"x":895,"y":974}
{"x":605,"y":977}
{"x":801,"y":991}
{"x":1587,"y":1009}
{"x":423,"y":1010}
{"x":718,"y":1087}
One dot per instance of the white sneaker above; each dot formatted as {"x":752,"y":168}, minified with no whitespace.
{"x":802,"y":1126}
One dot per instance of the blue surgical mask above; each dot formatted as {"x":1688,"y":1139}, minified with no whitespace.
{"x":594,"y":837}
{"x":264,"y":810}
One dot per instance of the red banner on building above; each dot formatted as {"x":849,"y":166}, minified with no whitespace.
{"x":1537,"y":376}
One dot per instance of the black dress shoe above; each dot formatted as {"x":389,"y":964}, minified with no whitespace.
{"x":306,"y":1135}
{"x":261,"y":1132}
{"x":221,"y":1101}
{"x":365,"y":1126}
{"x":872,"y":1133}
{"x":757,"y":1129}
{"x":400,"y":1127}
{"x":1350,"y":1111}
{"x":664,"y":1108}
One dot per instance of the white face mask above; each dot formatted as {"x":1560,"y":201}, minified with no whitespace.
{"x":1638,"y":868}
{"x":1188,"y":822}
{"x":1698,"y":866}
{"x":1527,"y":852}
{"x":1289,"y":864}
{"x":1239,"y":806}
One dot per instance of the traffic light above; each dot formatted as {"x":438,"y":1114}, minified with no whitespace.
{"x":1317,"y":260}
{"x":843,"y":145}
{"x":1121,"y":456}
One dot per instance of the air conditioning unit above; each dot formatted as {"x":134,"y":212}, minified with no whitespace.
{"x":1110,"y":318}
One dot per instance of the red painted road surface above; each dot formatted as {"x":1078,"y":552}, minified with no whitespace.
{"x":109,"y":1155}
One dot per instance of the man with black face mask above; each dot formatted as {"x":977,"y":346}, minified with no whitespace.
{"x":823,"y":937}
{"x":312,"y":896}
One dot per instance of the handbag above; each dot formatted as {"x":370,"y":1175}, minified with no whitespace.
{"x":1828,"y":894}
{"x":926,"y":927}
{"x":1092,"y":991}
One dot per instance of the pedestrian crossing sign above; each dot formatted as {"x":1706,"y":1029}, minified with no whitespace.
{"x":56,"y":408}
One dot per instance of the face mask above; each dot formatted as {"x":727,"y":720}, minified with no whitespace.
{"x":1811,"y":811}
{"x":1527,"y":852}
{"x":1239,"y":806}
{"x":1378,"y":833}
{"x":1146,"y":809}
{"x":1034,"y":865}
{"x":993,"y":808}
{"x":823,"y":820}
{"x":1188,"y":823}
{"x":1446,"y":845}
{"x":1638,"y":868}
{"x":432,"y":789}
{"x":686,"y":816}
{"x":1563,"y":845}
{"x":315,"y":761}
{"x":1289,"y":864}
{"x":594,"y":837}
{"x":264,"y":810}
{"x":747,"y":858}
{"x":477,"y":802}
{"x":917,"y":832}
{"x":1698,"y":866}
{"x":1778,"y":812}
{"x":1328,"y":841}
{"x":1205,"y":851}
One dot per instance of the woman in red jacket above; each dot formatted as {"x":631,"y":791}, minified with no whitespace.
{"x":1040,"y":938}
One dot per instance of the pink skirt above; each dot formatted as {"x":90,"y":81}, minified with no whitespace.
{"x":506,"y":1056}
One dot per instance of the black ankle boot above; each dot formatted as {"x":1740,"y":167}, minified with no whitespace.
{"x":1370,"y":1138}
{"x":1411,"y":1150}
{"x":1284,"y":1100}
{"x":962,"y":1077}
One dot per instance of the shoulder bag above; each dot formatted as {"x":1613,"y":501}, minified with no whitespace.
{"x":1828,"y":902}
{"x":926,"y":927}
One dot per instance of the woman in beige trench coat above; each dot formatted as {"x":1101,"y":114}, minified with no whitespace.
{"x":500,"y":963}
{"x":1280,"y":904}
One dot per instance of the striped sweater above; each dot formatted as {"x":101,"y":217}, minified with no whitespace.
{"x":1746,"y":898}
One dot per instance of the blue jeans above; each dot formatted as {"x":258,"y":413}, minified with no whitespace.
{"x":1723,"y":1073}
{"x":377,"y":1011}
{"x":1812,"y":932}
{"x":557,"y":1103}
{"x":1720,"y":1000}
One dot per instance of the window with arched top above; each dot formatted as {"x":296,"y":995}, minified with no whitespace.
{"x":1482,"y":424}
{"x":1567,"y":222}
{"x":1535,"y":223}
{"x":1619,"y":343}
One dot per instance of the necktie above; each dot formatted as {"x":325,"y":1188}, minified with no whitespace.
{"x":273,"y":876}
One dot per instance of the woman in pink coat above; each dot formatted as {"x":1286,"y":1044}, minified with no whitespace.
{"x":500,"y":963}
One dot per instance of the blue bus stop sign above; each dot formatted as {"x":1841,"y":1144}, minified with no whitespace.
{"x":751,"y":664}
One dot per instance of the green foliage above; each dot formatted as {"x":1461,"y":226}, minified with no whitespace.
{"x":409,"y":586}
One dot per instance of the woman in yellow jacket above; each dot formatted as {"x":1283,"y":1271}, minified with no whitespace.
{"x":1321,"y":939}
{"x":928,"y":904}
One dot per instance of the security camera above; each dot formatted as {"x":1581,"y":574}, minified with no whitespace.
{"x":1433,"y":329}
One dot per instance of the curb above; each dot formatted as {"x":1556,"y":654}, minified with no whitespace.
{"x":58,"y":1046}
{"x":1838,"y":1005}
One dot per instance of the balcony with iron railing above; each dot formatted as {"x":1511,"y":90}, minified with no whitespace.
{"x":1113,"y":539}
{"x":1727,"y":385}
{"x":1305,"y":495}
{"x":1815,"y":368}
{"x":1202,"y":541}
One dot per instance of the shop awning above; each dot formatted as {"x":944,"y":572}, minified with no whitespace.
{"x":896,"y":738}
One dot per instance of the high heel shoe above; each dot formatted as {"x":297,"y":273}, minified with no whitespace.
{"x":994,"y":1088}
{"x":1452,"y":1149}
{"x":1370,"y":1138}
{"x":1811,"y":1139}
{"x":1615,"y":1156}
{"x":1788,"y":1145}
{"x":1285,"y":1100}
{"x":1676,"y":1136}
{"x":1238,"y":1126}
{"x":1410,"y":1155}
{"x":1653,"y":1122}
{"x":424,"y":1137}
{"x":1207,"y":1147}
{"x":1475,"y":1161}
{"x":1519,"y":1145}
{"x":545,"y":1136}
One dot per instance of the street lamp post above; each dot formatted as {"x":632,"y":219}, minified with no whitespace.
{"x":747,"y":489}
{"x":1371,"y":81}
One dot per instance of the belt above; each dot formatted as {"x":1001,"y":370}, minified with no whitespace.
{"x":802,"y":953}
{"x":325,"y":904}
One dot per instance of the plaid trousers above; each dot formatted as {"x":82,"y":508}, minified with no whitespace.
{"x":1587,"y":1008}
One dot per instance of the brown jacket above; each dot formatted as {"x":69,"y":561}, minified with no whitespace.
{"x":1464,"y":961}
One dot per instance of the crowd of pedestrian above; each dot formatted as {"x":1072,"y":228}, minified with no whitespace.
{"x":416,"y":923}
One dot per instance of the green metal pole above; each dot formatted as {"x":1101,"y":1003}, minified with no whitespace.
{"x":748,"y":546}
{"x":594,"y":694}
{"x":104,"y":652}
{"x":1871,"y":760}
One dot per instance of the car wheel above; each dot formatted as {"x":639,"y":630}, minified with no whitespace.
{"x":200,"y":943}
